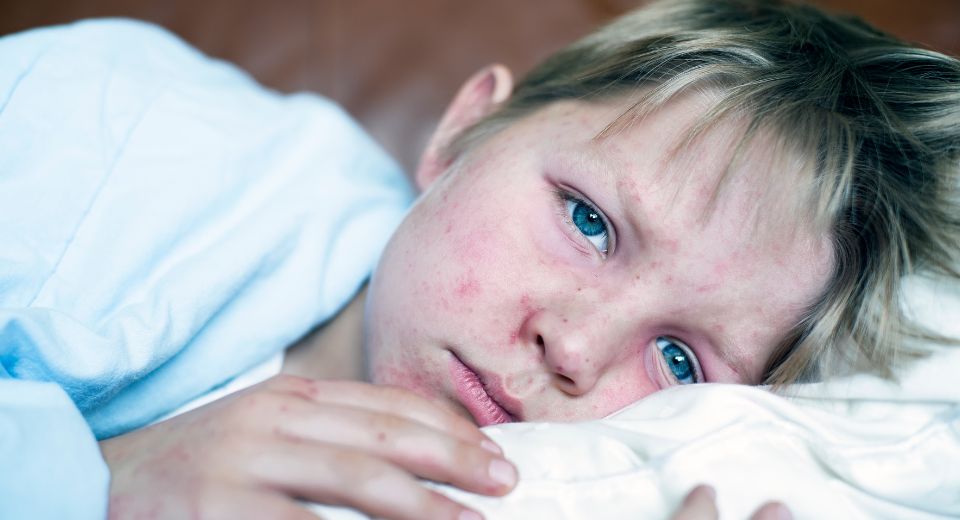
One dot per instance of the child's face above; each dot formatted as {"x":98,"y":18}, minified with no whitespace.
{"x":499,"y":268}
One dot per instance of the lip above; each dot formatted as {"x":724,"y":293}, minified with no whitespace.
{"x":476,"y":395}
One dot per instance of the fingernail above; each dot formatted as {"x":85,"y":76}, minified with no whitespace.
{"x":711,"y":492}
{"x":502,"y":472}
{"x":698,"y":491}
{"x":780,"y":512}
{"x":491,"y":447}
{"x":467,"y":514}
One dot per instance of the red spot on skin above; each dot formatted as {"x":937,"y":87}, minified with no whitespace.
{"x":449,"y":228}
{"x":181,"y":454}
{"x":670,"y":245}
{"x":513,"y":337}
{"x":473,"y":247}
{"x":720,"y":268}
{"x":525,"y":302}
{"x":312,"y":388}
{"x":467,"y":287}
{"x":414,"y":381}
{"x":381,"y":436}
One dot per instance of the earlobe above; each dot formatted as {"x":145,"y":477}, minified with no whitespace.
{"x":479,"y":96}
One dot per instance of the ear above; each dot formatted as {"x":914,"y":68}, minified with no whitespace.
{"x":479,"y":96}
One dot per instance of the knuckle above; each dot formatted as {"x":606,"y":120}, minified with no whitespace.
{"x":255,"y":410}
{"x":462,"y":451}
{"x":360,"y":466}
{"x":444,"y":455}
{"x":431,"y":504}
{"x":389,"y":423}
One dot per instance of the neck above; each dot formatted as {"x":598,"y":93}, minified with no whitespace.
{"x":334,"y":349}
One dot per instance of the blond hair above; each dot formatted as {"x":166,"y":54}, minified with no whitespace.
{"x":878,"y":119}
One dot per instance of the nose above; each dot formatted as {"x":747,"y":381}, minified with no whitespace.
{"x":575,"y":354}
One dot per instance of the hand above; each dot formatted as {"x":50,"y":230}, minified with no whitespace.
{"x":701,"y":504}
{"x":254,"y":453}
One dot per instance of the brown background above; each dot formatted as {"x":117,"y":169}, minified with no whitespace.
{"x":395,"y":63}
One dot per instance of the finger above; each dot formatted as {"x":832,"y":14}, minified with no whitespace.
{"x":700,"y":504}
{"x":240,"y":503}
{"x":772,"y":511}
{"x":384,"y":399}
{"x":337,"y":476}
{"x":415,"y":447}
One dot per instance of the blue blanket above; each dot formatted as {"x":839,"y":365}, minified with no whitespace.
{"x":165,"y":223}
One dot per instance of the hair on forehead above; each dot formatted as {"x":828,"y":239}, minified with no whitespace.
{"x":874,"y":120}
{"x":784,"y":192}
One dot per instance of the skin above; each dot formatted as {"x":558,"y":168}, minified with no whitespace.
{"x":488,"y":267}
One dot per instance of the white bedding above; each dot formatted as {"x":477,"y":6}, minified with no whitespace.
{"x":857,"y":447}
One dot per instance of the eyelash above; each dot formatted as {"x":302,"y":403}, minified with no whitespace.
{"x":662,"y":343}
{"x":564,"y":197}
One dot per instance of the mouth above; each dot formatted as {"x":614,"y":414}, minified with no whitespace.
{"x":476,"y":395}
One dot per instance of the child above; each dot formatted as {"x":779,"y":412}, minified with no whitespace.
{"x":701,"y":191}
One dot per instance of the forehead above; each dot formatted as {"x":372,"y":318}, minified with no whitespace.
{"x":710,"y":178}
{"x":731,"y":232}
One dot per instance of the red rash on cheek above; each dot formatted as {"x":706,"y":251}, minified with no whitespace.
{"x":416,"y":382}
{"x":671,"y":245}
{"x":472,"y":247}
{"x":708,"y":287}
{"x":467,"y":286}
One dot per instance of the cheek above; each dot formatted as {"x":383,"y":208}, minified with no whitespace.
{"x":482,"y":257}
{"x":415,"y":381}
{"x":612,"y":398}
{"x":474,"y":243}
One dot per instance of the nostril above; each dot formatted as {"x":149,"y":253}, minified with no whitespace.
{"x":566,"y":380}
{"x":539,"y":341}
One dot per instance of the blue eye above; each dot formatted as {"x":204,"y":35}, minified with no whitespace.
{"x":588,"y":221}
{"x":680,"y":360}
